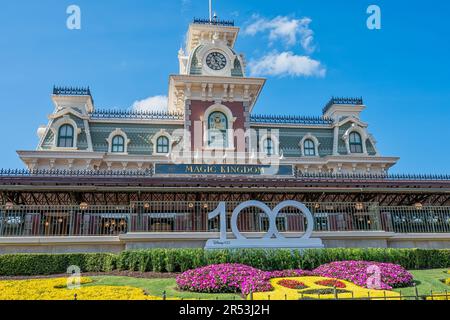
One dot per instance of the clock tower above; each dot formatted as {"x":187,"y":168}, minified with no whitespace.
{"x":213,"y":91}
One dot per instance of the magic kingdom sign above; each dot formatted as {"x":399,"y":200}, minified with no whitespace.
{"x":223,"y":169}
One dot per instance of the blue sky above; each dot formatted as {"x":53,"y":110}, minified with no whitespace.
{"x":125,"y":51}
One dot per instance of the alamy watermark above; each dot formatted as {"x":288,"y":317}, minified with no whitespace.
{"x":374,"y":280}
{"x":74,"y":19}
{"x":374,"y":20}
{"x":224,"y":146}
{"x":74,"y":279}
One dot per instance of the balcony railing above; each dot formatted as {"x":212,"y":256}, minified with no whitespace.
{"x":74,"y":173}
{"x":149,"y":173}
{"x":153,"y":217}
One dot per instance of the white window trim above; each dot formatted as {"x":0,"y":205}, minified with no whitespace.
{"x":55,"y":130}
{"x":314,"y":139}
{"x":154,"y":140}
{"x":275,"y":141}
{"x":230,"y":131}
{"x":118,"y":132}
{"x":364,"y":137}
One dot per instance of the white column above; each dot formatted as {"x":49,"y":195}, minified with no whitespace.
{"x":336,"y":141}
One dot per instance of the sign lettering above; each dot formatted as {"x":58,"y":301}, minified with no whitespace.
{"x":272,"y":239}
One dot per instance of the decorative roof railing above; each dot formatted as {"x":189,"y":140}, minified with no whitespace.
{"x":132,"y":114}
{"x":374,"y":176}
{"x":215,"y":22}
{"x":74,"y":173}
{"x":149,"y":173}
{"x":340,"y":100}
{"x":279,"y":119}
{"x":71,"y":91}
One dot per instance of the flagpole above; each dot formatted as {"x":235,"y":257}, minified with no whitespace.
{"x":210,"y":10}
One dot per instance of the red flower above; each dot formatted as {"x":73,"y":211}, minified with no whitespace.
{"x":331,"y":283}
{"x":292,"y":284}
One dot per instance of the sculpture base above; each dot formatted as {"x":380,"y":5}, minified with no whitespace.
{"x":265,"y":244}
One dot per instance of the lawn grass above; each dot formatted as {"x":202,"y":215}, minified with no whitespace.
{"x":156,"y":287}
{"x":427,"y":281}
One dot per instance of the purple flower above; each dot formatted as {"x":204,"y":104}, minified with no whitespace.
{"x":232,"y":278}
{"x":383,"y":276}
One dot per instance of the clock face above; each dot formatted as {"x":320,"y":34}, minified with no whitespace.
{"x":216,"y":61}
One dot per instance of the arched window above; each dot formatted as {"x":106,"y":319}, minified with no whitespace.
{"x":309,"y":148}
{"x":218,"y":130}
{"x":268,"y":147}
{"x":162,"y":145}
{"x":355,"y":143}
{"x":65,"y":136}
{"x":118,"y":144}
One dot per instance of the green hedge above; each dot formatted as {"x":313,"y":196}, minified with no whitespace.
{"x":178,"y":260}
{"x":47,"y":264}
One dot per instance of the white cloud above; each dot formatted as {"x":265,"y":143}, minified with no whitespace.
{"x":289,"y":30}
{"x":151,"y":104}
{"x":286,"y":64}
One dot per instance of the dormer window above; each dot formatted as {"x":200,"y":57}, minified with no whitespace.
{"x":355,"y":142}
{"x":65,"y":136}
{"x":162,"y":145}
{"x":118,"y":144}
{"x":309,"y":148}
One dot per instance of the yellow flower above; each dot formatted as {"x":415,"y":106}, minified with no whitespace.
{"x":350,"y":291}
{"x":56,"y":289}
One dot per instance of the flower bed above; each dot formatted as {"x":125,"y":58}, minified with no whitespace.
{"x":56,"y":289}
{"x":317,"y":291}
{"x":292,"y":284}
{"x":231,"y":278}
{"x":331,"y":283}
{"x":364,"y":273}
{"x":235,"y":278}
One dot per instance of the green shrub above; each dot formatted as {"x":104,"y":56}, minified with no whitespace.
{"x":46,"y":264}
{"x":180,"y":260}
